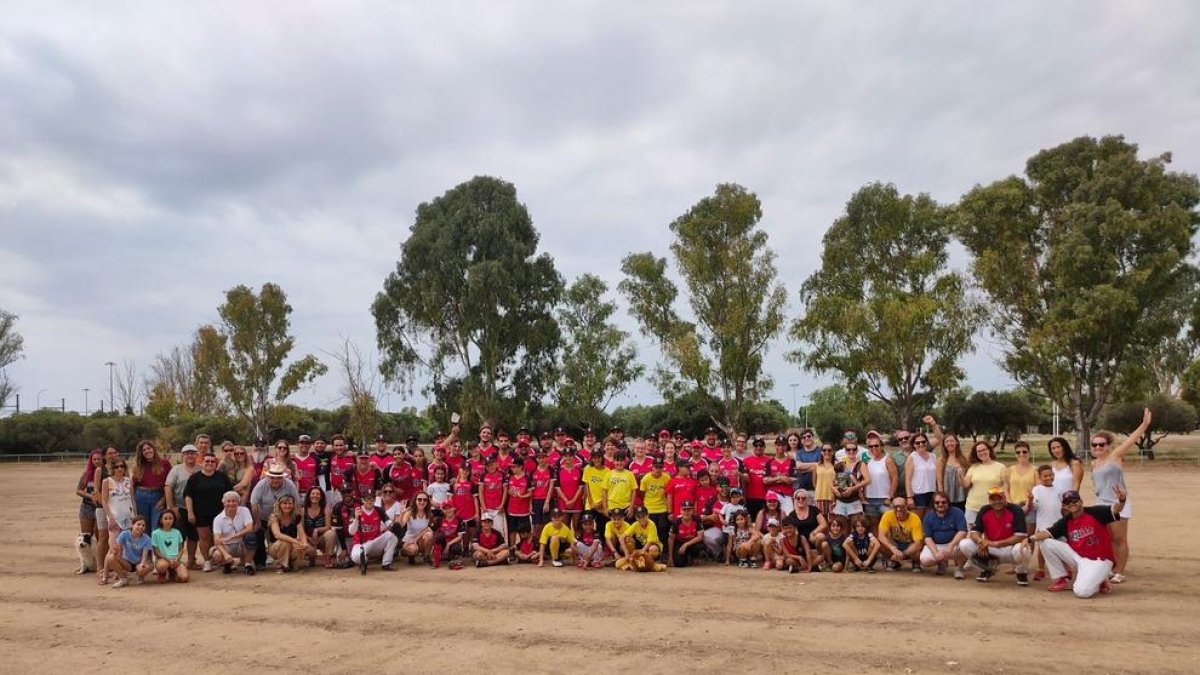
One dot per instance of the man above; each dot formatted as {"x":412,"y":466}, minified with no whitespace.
{"x":306,"y":465}
{"x":807,"y":456}
{"x":901,"y":535}
{"x":486,"y":447}
{"x":203,"y":499}
{"x":685,"y":538}
{"x":756,"y":467}
{"x":711,"y":450}
{"x":339,"y":463}
{"x":262,"y":502}
{"x":233,"y":535}
{"x":998,"y":536}
{"x":1088,"y":549}
{"x":900,"y":457}
{"x":363,"y":477}
{"x":945,"y":527}
{"x":740,"y":451}
{"x":489,"y":547}
{"x":174,"y":492}
{"x":620,"y":485}
{"x":381,"y":458}
{"x":372,"y":534}
{"x":617,"y":434}
{"x":411,"y":444}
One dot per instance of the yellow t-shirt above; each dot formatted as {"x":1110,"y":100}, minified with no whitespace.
{"x":611,"y":531}
{"x":562,"y":531}
{"x":902,"y":533}
{"x":621,"y":486}
{"x":823,"y":482}
{"x":983,"y":478}
{"x":1020,"y":486}
{"x":655,"y":490}
{"x":647,"y":534}
{"x":597,"y":481}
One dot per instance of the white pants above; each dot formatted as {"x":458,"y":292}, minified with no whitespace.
{"x":1017,"y":554}
{"x":1061,"y":559}
{"x":594,"y":553}
{"x":384,"y":545}
{"x":927,"y":559}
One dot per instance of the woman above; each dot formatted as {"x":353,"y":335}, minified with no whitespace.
{"x":318,"y":527}
{"x":167,"y":542}
{"x":131,"y":552}
{"x":811,"y":526}
{"x":84,"y":489}
{"x":951,"y":465}
{"x":1068,"y":470}
{"x":288,"y":541}
{"x":418,"y":537}
{"x":1108,"y":474}
{"x":1022,"y":476}
{"x":283,"y":458}
{"x":984,"y":474}
{"x":670,"y":458}
{"x":243,"y":473}
{"x":149,"y":477}
{"x":388,"y":504}
{"x":920,"y":475}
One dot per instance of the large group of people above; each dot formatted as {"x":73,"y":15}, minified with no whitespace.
{"x":908,"y":501}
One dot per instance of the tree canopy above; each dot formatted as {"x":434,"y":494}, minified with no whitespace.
{"x":11,"y":347}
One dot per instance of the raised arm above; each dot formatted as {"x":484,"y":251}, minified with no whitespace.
{"x":1118,"y":452}
{"x":938,"y":434}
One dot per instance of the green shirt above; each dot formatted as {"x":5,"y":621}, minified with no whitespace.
{"x":166,"y":543}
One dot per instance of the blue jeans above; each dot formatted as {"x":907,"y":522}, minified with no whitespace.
{"x":144,"y":501}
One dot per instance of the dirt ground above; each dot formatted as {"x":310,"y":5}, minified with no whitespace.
{"x":706,"y":619}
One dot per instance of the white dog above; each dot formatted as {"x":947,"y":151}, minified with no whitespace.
{"x":86,"y":548}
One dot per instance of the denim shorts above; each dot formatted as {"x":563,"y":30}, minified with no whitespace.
{"x":876,"y":506}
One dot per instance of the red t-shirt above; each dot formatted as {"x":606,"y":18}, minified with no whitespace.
{"x":541,"y":483}
{"x":998,"y":525}
{"x":782,"y":467}
{"x":486,"y":451}
{"x":306,"y":472}
{"x":370,"y":526}
{"x":730,"y":468}
{"x":397,"y":474}
{"x":491,"y":490}
{"x":477,"y":469}
{"x":641,"y":467}
{"x":685,"y":528}
{"x":1088,"y":534}
{"x":569,"y":482}
{"x":505,"y":462}
{"x":756,"y":469}
{"x":462,"y":495}
{"x":518,"y":505}
{"x":365,"y":481}
{"x":706,"y":496}
{"x":338,"y":466}
{"x":456,"y":462}
{"x":156,"y":482}
{"x":669,"y":468}
{"x":681,"y":489}
{"x":380,"y":462}
{"x":489,"y":539}
{"x":711,"y":453}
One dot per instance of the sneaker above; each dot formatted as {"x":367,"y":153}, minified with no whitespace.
{"x":251,"y":570}
{"x":388,"y":567}
{"x":871,"y":568}
{"x":941,"y":567}
{"x":1039,"y":575}
{"x":916,"y":568}
{"x":208,"y":567}
{"x":362,"y":563}
{"x":792,"y":569}
{"x":162,"y":577}
{"x":1022,"y":578}
{"x":121,"y":583}
{"x":478,"y":564}
{"x":891,"y":566}
{"x":1117,"y":579}
{"x":259,"y":568}
{"x":227,"y":568}
{"x":985,"y":576}
{"x":556,"y":563}
{"x":958,"y":574}
{"x":455,"y":565}
{"x":1060,"y":584}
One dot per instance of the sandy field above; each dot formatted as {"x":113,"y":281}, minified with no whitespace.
{"x":707,"y":619}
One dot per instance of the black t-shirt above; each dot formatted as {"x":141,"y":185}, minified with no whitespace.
{"x":206,"y":493}
{"x":804,"y":526}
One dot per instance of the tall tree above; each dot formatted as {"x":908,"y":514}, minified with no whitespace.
{"x":127,"y":386}
{"x":598,"y":360}
{"x":184,"y":380}
{"x":358,"y":389}
{"x":729,"y":273}
{"x":252,"y":342}
{"x":12,"y":345}
{"x":1078,"y":258}
{"x":883,"y":312}
{"x":471,"y":300}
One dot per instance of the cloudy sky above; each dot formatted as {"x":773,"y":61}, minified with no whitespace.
{"x":153,"y":155}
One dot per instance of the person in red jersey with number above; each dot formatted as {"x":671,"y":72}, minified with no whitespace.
{"x":489,"y":547}
{"x":670,"y":459}
{"x":686,"y":536}
{"x":449,"y":535}
{"x":520,"y":503}
{"x":464,"y":496}
{"x":493,"y":496}
{"x":398,"y":475}
{"x":757,"y":469}
{"x":680,"y":489}
{"x":439,"y":462}
{"x":706,"y":492}
{"x":543,"y":486}
{"x":730,"y":468}
{"x":381,"y":457}
{"x":569,"y":489}
{"x":364,"y":478}
{"x":487,"y":448}
{"x":710,"y":450}
{"x":1088,"y":551}
{"x":371,"y":535}
{"x":641,"y":463}
{"x":340,"y":463}
{"x":306,"y":466}
{"x":781,"y":475}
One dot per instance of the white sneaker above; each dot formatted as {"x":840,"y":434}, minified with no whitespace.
{"x":208,"y":566}
{"x":557,"y":563}
{"x":121,"y":583}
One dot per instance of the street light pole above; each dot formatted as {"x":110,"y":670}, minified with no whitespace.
{"x":795,"y":410}
{"x":38,"y":401}
{"x":111,"y":402}
{"x":85,"y":400}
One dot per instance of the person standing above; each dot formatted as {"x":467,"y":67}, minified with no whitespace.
{"x":203,"y":500}
{"x":951,"y":464}
{"x":984,"y":475}
{"x":1068,"y":470}
{"x":920,"y":474}
{"x":148,"y":477}
{"x":1088,"y":548}
{"x":1022,"y":476}
{"x":175,"y":490}
{"x":881,"y":471}
{"x":807,"y":455}
{"x":1108,"y":478}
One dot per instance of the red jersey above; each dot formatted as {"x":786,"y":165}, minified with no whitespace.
{"x":756,"y":469}
{"x":525,"y":546}
{"x":306,"y":472}
{"x":338,"y":466}
{"x":416,"y":481}
{"x":711,"y":453}
{"x":370,"y":526}
{"x":489,"y":539}
{"x":998,"y":525}
{"x":569,"y":482}
{"x":731,"y":469}
{"x":791,"y":548}
{"x":439,"y":465}
{"x":518,"y":505}
{"x":685,"y":528}
{"x":486,"y":451}
{"x":681,"y":489}
{"x":365,"y":482}
{"x":504,"y":462}
{"x":456,"y":462}
{"x":706,"y":496}
{"x":782,"y":467}
{"x":1087,"y":534}
{"x":477,"y":469}
{"x":587,"y":538}
{"x":380,"y":462}
{"x":541,"y":483}
{"x":491,"y":491}
{"x":669,"y":468}
{"x":449,"y":527}
{"x":553,"y":458}
{"x":397,"y":474}
{"x":462,"y":495}
{"x":641,"y":467}
{"x":698,"y":464}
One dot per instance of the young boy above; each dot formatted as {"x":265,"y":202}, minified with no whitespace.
{"x":489,"y":547}
{"x":1045,"y":504}
{"x":448,"y":536}
{"x":559,"y":537}
{"x":589,"y":548}
{"x":791,"y":553}
{"x":864,"y":548}
{"x":520,"y":504}
{"x":543,"y":487}
{"x":525,"y":549}
{"x":833,"y":546}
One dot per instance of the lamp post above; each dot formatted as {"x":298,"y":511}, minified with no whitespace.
{"x":38,"y":400}
{"x":111,"y":365}
{"x":85,"y":400}
{"x":795,"y":410}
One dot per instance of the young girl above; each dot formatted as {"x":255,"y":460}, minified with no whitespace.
{"x":792,"y":553}
{"x":167,"y":542}
{"x":439,"y":489}
{"x":745,"y":540}
{"x":568,"y":490}
{"x":589,"y":548}
{"x":833,"y":548}
{"x":864,"y":547}
{"x":131,"y":552}
{"x":448,"y":534}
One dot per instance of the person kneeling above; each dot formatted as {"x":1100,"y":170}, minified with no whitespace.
{"x":999,"y":536}
{"x":1088,"y":549}
{"x":558,"y":537}
{"x":589,"y":547}
{"x":372,"y":535}
{"x":641,"y":545}
{"x":168,"y":550}
{"x":233,"y":535}
{"x":791,"y":550}
{"x":902,"y":535}
{"x":489,"y":547}
{"x":686,"y":537}
{"x":131,"y":553}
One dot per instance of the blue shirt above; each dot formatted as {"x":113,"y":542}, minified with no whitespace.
{"x":804,"y":479}
{"x":132,"y":549}
{"x":941,"y":529}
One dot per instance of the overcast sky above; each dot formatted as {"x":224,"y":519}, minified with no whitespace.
{"x":153,"y":155}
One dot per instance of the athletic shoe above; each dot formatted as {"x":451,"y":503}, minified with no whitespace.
{"x":871,"y":568}
{"x":455,"y":565}
{"x":985,"y":576}
{"x":1039,"y":575}
{"x":227,"y":568}
{"x":792,"y":569}
{"x":259,"y":568}
{"x":1117,"y":579}
{"x":250,"y":570}
{"x":891,"y":566}
{"x":581,"y":564}
{"x":556,"y":563}
{"x":362,"y":564}
{"x":208,"y":567}
{"x":1105,"y":587}
{"x":121,"y":583}
{"x":916,"y":568}
{"x":388,"y":567}
{"x":597,"y":565}
{"x":1022,"y":578}
{"x":478,"y":564}
{"x":1060,"y":584}
{"x":941,"y":567}
{"x":958,"y":574}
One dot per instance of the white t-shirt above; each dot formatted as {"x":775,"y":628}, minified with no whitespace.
{"x":223,"y":525}
{"x":1047,"y":505}
{"x":439,"y":494}
{"x":727,"y":512}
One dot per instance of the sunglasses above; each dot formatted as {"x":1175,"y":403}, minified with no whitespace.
{"x":281,"y":447}
{"x":806,"y":436}
{"x":1100,"y":445}
{"x":902,"y":440}
{"x":920,"y":442}
{"x":827,"y":451}
{"x":421,"y":500}
{"x":872,"y":447}
{"x":239,"y":454}
{"x":1022,"y":452}
{"x":120,"y":466}
{"x":389,"y":492}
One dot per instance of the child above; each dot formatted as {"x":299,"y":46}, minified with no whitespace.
{"x":864,"y":547}
{"x":1045,"y":500}
{"x":525,"y":550}
{"x":131,"y":552}
{"x":791,"y":553}
{"x":745,"y":539}
{"x":558,"y":536}
{"x":449,"y":531}
{"x":489,"y":547}
{"x":833,"y":547}
{"x":589,"y":548}
{"x":568,"y":489}
{"x":439,"y":489}
{"x":168,"y":550}
{"x":543,"y":486}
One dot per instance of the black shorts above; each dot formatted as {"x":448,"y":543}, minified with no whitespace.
{"x":924,"y":500}
{"x":188,"y":530}
{"x":539,"y":516}
{"x":519,"y":524}
{"x":753,"y":506}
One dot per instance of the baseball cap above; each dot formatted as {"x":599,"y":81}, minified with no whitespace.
{"x":663,"y":433}
{"x":772,"y":497}
{"x":304,"y":438}
{"x":597,"y":453}
{"x":523,"y":430}
{"x":587,"y":517}
{"x":189,"y":448}
{"x":547,"y":434}
{"x":1071,"y":496}
{"x":658,"y":462}
{"x":760,"y":442}
{"x":260,"y":442}
{"x":780,"y":440}
{"x":556,"y":511}
{"x":615,"y":514}
{"x":381,"y":437}
{"x":491,"y":459}
{"x":615,"y":430}
{"x":850,"y":436}
{"x":686,"y":505}
{"x":771,"y":522}
{"x":995,"y":492}
{"x":412,"y":439}
{"x":722,"y":481}
{"x":588,"y":431}
{"x":874,"y":433}
{"x":642,"y":511}
{"x":710,"y":430}
{"x":735,"y":491}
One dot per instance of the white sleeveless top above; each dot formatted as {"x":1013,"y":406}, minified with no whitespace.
{"x":1064,"y":479}
{"x":881,"y":483}
{"x":924,"y":477}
